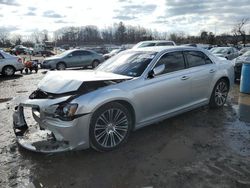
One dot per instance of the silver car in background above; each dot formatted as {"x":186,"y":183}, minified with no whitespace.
{"x":225,"y":52}
{"x":9,"y":64}
{"x":138,"y":87}
{"x":73,"y":58}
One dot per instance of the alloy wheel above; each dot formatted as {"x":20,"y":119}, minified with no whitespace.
{"x":111,"y":128}
{"x":221,"y":92}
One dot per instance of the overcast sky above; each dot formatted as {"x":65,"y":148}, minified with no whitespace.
{"x":189,"y":16}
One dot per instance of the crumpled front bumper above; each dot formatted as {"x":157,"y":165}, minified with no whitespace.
{"x":49,"y":134}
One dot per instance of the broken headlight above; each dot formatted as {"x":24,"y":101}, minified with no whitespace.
{"x":66,"y":111}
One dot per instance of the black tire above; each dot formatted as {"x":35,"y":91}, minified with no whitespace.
{"x":61,"y":66}
{"x":8,"y":70}
{"x":95,"y":63}
{"x":114,"y":135}
{"x":219,"y":94}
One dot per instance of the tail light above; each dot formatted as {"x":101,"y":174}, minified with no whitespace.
{"x":20,"y":60}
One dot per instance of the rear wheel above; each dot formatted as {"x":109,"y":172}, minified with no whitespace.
{"x":95,"y":63}
{"x":8,"y":71}
{"x":60,"y":66}
{"x":110,"y":127}
{"x":219,"y":95}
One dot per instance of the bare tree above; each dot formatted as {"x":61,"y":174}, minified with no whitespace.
{"x":239,"y":29}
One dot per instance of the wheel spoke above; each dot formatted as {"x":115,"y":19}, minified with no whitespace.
{"x":104,"y":119}
{"x":117,"y":115}
{"x":100,"y":135}
{"x":121,"y":128}
{"x":121,"y":121}
{"x":118,"y":135}
{"x":100,"y":127}
{"x":105,"y":140}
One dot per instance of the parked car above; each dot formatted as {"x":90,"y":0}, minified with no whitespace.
{"x":112,"y":53}
{"x":154,"y":43}
{"x":245,"y":58}
{"x":9,"y":64}
{"x":243,"y":50}
{"x":73,"y":58}
{"x":20,"y":49}
{"x":99,"y":108}
{"x":226,"y":52}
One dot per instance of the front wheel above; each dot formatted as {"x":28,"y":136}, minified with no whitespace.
{"x":8,"y":71}
{"x":110,"y":127}
{"x":219,"y":95}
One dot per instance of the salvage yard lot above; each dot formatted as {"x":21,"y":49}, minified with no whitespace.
{"x":201,"y":148}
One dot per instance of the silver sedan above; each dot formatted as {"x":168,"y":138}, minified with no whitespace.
{"x":138,"y":87}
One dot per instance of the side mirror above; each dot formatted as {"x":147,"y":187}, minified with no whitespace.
{"x":156,"y":71}
{"x":229,"y":52}
{"x":70,"y":55}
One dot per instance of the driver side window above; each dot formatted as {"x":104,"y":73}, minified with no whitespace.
{"x":173,"y":61}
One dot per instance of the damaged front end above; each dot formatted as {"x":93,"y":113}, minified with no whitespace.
{"x":58,"y":124}
{"x":49,"y":126}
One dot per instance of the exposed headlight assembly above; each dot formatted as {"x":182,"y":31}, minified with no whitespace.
{"x":66,"y":111}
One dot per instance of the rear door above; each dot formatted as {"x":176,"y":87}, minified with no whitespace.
{"x":202,"y":71}
{"x":86,"y":58}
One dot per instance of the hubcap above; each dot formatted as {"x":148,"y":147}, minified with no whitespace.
{"x":221,"y":92}
{"x":61,"y":67}
{"x":111,"y":128}
{"x":95,"y":64}
{"x":9,"y":71}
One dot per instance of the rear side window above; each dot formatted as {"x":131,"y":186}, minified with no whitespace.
{"x":195,"y":58}
{"x":173,"y":61}
{"x":165,"y":44}
{"x":147,"y":44}
{"x":85,"y":53}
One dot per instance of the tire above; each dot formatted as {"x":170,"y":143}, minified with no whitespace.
{"x":95,"y":63}
{"x":104,"y":135}
{"x":61,"y":66}
{"x":8,"y":70}
{"x":219,"y":94}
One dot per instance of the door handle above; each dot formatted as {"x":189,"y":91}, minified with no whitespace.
{"x":212,"y":71}
{"x":185,"y":77}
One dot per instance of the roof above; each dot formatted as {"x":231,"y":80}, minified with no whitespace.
{"x":166,"y":48}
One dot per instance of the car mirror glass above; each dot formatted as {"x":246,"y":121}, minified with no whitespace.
{"x":156,"y":71}
{"x":159,"y":69}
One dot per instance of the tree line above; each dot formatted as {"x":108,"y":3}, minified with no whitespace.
{"x":120,"y":34}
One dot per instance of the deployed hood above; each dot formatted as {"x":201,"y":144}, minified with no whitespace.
{"x":59,"y":82}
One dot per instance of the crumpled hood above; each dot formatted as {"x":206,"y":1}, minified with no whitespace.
{"x":58,"y":82}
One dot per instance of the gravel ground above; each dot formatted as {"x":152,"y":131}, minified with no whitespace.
{"x":201,"y":148}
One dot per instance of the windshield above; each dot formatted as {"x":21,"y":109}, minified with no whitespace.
{"x":220,"y":50}
{"x":129,"y":63}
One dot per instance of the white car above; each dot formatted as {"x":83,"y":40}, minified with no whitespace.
{"x":9,"y":64}
{"x":154,"y":43}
